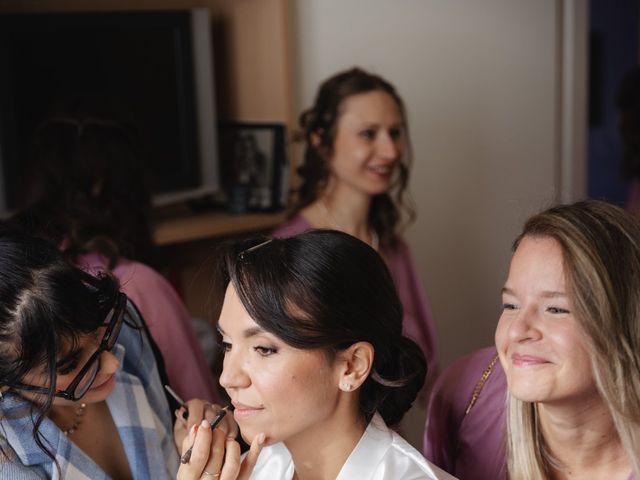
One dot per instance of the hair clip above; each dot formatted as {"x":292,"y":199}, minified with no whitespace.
{"x":242,"y":254}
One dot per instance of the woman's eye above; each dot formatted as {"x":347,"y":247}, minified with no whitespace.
{"x":225,"y":346}
{"x":265,"y":351}
{"x":395,"y":133}
{"x":557,"y":310}
{"x":368,"y":134}
{"x":508,"y":306}
{"x":67,"y":369}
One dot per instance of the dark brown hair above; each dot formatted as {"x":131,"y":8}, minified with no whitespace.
{"x":314,"y":291}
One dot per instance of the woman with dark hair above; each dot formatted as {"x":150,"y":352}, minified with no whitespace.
{"x":315,"y":364}
{"x":354,"y":179}
{"x":80,"y":394}
{"x":85,"y":192}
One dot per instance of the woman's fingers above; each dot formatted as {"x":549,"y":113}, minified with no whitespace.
{"x":199,"y":439}
{"x":216,"y":453}
{"x":196,"y":409}
{"x":252,"y":457}
{"x":229,"y":425}
{"x":232,"y":458}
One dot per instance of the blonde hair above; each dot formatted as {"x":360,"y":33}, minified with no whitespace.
{"x":601,"y":255}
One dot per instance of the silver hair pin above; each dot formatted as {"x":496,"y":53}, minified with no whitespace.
{"x":255,"y":247}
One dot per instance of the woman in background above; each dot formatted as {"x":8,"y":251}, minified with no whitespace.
{"x":86,"y":193}
{"x":315,"y":365}
{"x":568,"y":345}
{"x":354,"y":179}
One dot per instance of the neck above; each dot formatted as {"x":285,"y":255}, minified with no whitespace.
{"x":321,"y":453}
{"x":344,"y":210}
{"x":68,"y":418}
{"x":584,"y":440}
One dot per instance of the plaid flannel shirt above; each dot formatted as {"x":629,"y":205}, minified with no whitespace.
{"x":139,"y":409}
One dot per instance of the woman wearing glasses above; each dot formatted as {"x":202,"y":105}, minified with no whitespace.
{"x":80,"y":393}
{"x":315,"y":364}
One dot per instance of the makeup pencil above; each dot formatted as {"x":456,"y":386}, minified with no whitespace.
{"x":214,"y":423}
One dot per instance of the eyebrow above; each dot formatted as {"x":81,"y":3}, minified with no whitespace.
{"x":544,"y":294}
{"x":248,"y":333}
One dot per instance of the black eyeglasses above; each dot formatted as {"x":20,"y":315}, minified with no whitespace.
{"x":87,"y":375}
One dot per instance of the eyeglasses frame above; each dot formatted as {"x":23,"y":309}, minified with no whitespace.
{"x":117,"y":318}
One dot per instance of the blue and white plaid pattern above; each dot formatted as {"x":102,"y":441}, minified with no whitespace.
{"x":139,"y":409}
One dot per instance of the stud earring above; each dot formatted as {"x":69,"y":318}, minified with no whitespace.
{"x":346,"y":387}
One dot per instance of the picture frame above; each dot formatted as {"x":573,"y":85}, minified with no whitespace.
{"x":254,"y":166}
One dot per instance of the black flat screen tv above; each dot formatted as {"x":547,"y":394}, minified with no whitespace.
{"x":157,"y":63}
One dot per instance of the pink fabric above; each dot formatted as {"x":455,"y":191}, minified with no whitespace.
{"x":468,"y":446}
{"x":417,"y":322}
{"x":168,"y":321}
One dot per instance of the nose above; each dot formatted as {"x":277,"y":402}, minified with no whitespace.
{"x":109,"y":363}
{"x":389,"y":147}
{"x":525,"y":326}
{"x":233,"y":373}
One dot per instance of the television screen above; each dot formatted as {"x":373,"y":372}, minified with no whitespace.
{"x":153,"y":63}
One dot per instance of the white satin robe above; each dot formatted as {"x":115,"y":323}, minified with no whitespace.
{"x":381,"y":454}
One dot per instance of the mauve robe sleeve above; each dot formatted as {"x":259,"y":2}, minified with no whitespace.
{"x":470,"y":446}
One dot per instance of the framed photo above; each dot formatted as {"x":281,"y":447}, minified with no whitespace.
{"x":254,"y":167}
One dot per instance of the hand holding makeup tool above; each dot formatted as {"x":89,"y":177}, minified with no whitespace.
{"x":214,"y":423}
{"x":177,"y":398}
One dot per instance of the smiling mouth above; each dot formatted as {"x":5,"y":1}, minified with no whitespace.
{"x":382,"y":170}
{"x":241,"y":411}
{"x":527,"y":360}
{"x":106,"y":382}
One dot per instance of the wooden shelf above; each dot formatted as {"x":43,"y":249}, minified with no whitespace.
{"x":169,"y":231}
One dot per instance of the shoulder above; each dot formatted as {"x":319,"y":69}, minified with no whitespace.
{"x":295,"y":225}
{"x":417,"y":467}
{"x":454,"y":388}
{"x":398,"y":255}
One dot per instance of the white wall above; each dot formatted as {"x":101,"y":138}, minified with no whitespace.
{"x":481,"y":79}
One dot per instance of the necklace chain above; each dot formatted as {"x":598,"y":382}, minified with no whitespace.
{"x":77,"y":420}
{"x":327,"y":213}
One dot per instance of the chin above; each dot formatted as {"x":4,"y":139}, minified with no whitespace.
{"x":528,"y":391}
{"x":249,"y":434}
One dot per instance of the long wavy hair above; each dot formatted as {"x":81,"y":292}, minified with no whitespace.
{"x":320,"y":123}
{"x":601,"y":255}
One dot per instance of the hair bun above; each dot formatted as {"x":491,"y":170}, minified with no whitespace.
{"x":397,"y":377}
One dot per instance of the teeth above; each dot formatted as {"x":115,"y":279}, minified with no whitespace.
{"x":381,"y":169}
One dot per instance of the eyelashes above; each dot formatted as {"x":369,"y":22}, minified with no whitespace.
{"x":262,"y":350}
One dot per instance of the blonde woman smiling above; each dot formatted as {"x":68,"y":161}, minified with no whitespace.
{"x":569,"y":343}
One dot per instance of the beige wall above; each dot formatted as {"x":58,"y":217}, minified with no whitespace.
{"x":482,"y":80}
